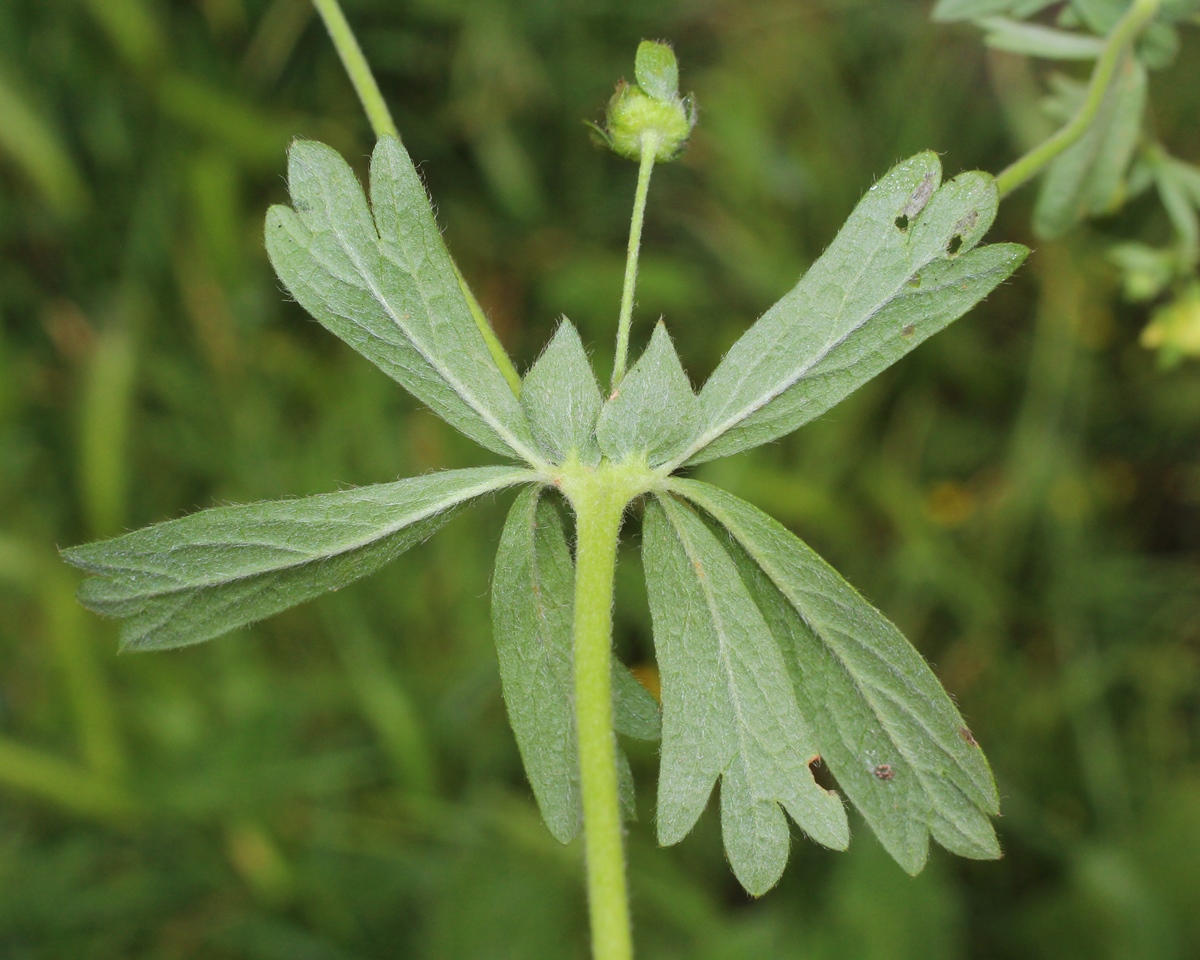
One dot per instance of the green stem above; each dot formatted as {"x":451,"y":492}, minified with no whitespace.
{"x":598,"y":509}
{"x":649,"y":152}
{"x":381,"y":122}
{"x":495,"y":347}
{"x":356,"y":66}
{"x":1123,"y":35}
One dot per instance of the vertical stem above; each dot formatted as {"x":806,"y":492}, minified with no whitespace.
{"x":598,"y":512}
{"x":649,"y":152}
{"x":356,"y":66}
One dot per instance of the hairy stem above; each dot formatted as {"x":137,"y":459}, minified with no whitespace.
{"x":598,"y":509}
{"x":356,"y":66}
{"x":649,"y":152}
{"x":1126,"y":31}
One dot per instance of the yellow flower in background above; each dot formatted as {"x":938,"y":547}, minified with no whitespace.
{"x":1174,"y":329}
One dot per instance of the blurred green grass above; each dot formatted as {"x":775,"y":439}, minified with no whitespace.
{"x":1022,"y":495}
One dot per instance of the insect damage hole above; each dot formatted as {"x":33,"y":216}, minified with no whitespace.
{"x":954,"y":245}
{"x":822,"y":775}
{"x":902,"y":222}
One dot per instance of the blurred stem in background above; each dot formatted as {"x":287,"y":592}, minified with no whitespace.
{"x":1116,"y":49}
{"x":35,"y":147}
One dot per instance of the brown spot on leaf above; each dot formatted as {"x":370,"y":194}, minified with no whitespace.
{"x":920,"y":196}
{"x":884,"y":772}
{"x":908,"y":330}
{"x":967,"y":223}
{"x":968,"y":737}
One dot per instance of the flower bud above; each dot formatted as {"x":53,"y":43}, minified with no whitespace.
{"x":650,"y":114}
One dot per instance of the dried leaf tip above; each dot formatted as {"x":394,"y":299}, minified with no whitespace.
{"x":649,"y":114}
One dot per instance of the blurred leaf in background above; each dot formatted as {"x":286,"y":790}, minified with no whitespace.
{"x":1021,"y":495}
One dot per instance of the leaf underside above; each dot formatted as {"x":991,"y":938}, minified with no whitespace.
{"x":562,"y":399}
{"x":881,"y":720}
{"x":381,"y":279}
{"x":729,"y":707}
{"x":533,"y":615}
{"x":904,"y":266}
{"x":654,"y":412}
{"x":192,"y":579}
{"x":768,"y":659}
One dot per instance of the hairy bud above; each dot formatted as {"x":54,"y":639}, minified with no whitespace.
{"x":650,"y":114}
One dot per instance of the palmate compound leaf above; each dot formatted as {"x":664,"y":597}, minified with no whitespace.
{"x":729,"y":707}
{"x":882,"y":721}
{"x":533,"y":592}
{"x":902,"y":268}
{"x":192,"y":579}
{"x":381,"y":279}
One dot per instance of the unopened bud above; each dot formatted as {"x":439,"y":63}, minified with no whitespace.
{"x":650,"y":114}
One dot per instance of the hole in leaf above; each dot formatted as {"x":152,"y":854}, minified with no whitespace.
{"x":902,"y":222}
{"x":821,"y":774}
{"x":955,"y":244}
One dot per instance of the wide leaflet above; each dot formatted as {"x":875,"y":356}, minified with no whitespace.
{"x":381,"y":279}
{"x":903,"y":267}
{"x":881,"y":720}
{"x":729,"y":707}
{"x":533,"y":593}
{"x":195,"y":578}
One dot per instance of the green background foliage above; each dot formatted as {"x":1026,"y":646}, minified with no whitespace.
{"x":1020,"y":495}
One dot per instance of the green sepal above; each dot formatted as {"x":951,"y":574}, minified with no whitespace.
{"x":562,"y":399}
{"x":654,"y":412}
{"x":657,"y":70}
